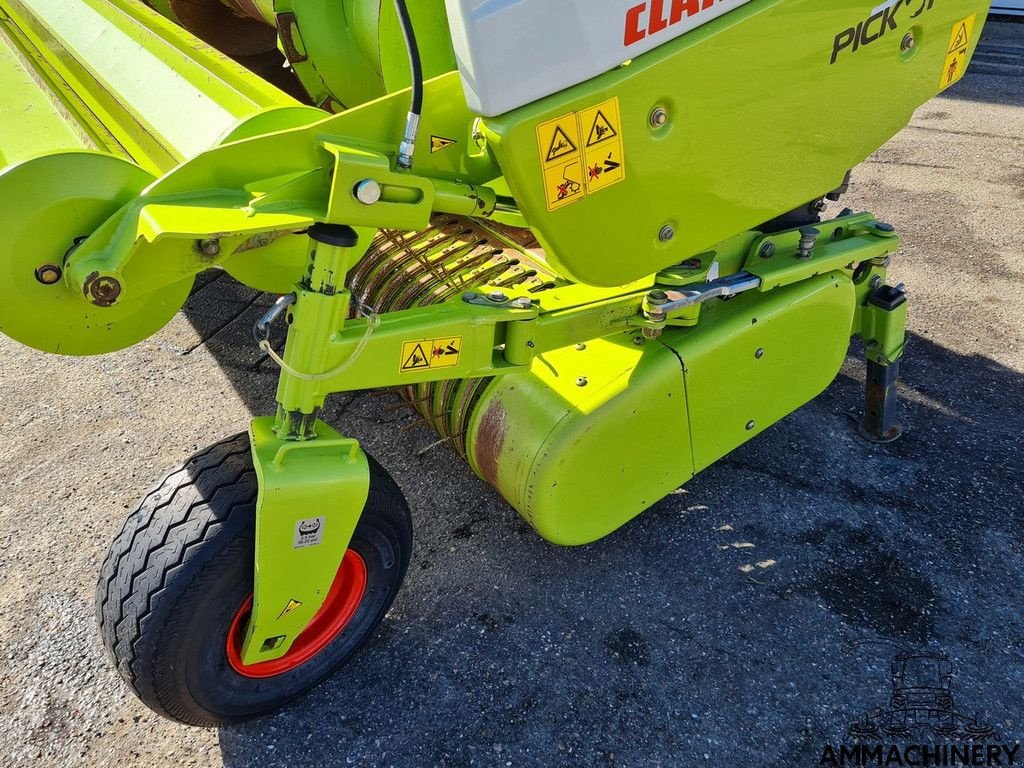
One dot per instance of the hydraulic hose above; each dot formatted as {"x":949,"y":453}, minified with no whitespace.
{"x":407,"y":148}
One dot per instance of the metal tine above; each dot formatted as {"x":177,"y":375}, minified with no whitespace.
{"x":437,"y":444}
{"x":422,"y":423}
{"x":405,"y":403}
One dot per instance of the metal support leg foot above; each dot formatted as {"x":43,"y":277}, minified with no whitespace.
{"x":881,"y":403}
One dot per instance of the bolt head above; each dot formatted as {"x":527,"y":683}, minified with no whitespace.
{"x":659,"y":117}
{"x":667,"y":234}
{"x":209,"y":248}
{"x":581,"y":381}
{"x":580,"y":347}
{"x":639,"y":340}
{"x":104,"y":291}
{"x":751,"y":425}
{"x":497,"y":296}
{"x":657,"y":297}
{"x":522,"y":303}
{"x":767,"y":250}
{"x":48,"y":274}
{"x":908,"y":43}
{"x":368,"y":192}
{"x":759,"y":354}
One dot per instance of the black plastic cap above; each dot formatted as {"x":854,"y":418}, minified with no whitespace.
{"x":888,"y":298}
{"x":340,"y":235}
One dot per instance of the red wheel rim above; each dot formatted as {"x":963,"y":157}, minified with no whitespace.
{"x":339,"y":607}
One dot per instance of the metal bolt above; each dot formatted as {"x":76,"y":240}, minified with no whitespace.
{"x":368,"y":192}
{"x":522,"y":303}
{"x":469,"y":296}
{"x":882,"y":226}
{"x":209,"y":248}
{"x":759,"y":354}
{"x":261,"y":241}
{"x":767,"y":250}
{"x":667,"y":233}
{"x":497,"y":296}
{"x":808,"y":239}
{"x":580,"y":347}
{"x":581,"y":381}
{"x":819,"y":206}
{"x":657,"y":298}
{"x":876,"y":282}
{"x":104,"y":291}
{"x":639,"y":340}
{"x":908,"y":42}
{"x":659,"y":117}
{"x":48,"y":274}
{"x":750,"y":425}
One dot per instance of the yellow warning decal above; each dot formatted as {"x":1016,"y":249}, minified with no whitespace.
{"x":437,"y":143}
{"x":581,"y":153}
{"x":561,"y":160}
{"x":428,"y":354}
{"x":603,"y":153}
{"x":956,"y":57}
{"x":289,"y":607}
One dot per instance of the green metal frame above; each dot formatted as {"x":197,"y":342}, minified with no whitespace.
{"x":257,"y":203}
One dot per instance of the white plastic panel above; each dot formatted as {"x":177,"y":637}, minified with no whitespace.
{"x":513,"y":52}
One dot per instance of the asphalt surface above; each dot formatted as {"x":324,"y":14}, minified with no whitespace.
{"x":745,"y":620}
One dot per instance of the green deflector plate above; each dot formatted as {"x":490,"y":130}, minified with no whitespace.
{"x":45,"y":204}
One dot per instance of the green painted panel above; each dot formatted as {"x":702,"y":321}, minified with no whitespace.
{"x":579,"y":461}
{"x":760,"y":121}
{"x":735,"y":393}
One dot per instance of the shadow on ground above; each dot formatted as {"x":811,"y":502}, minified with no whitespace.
{"x":751,"y":615}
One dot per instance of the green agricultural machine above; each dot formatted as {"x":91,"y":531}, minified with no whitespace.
{"x":587,"y":241}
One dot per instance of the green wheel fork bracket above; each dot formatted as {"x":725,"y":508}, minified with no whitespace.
{"x":313,"y":482}
{"x":311,"y":495}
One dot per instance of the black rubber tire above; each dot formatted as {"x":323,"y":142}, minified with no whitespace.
{"x":183,"y":564}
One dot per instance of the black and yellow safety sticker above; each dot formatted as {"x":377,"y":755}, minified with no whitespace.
{"x":428,"y":354}
{"x":956,"y":57}
{"x":581,"y":153}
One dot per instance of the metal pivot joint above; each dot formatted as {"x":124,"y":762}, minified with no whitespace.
{"x":319,"y":310}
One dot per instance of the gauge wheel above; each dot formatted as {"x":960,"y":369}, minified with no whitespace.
{"x":175,"y":592}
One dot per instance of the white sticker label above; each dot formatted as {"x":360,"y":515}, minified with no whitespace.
{"x":308,"y":533}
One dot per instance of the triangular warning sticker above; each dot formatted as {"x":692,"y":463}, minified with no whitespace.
{"x":601,"y":130}
{"x":437,"y":143}
{"x":561,"y":145}
{"x":961,"y":39}
{"x":418,"y":359}
{"x":291,"y":606}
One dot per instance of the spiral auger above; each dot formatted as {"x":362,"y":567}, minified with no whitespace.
{"x":403,"y":270}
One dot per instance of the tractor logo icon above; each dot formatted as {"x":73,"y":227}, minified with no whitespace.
{"x":309,"y":527}
{"x":921,"y":706}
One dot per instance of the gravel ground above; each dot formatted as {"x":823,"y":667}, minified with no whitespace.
{"x":745,"y":620}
